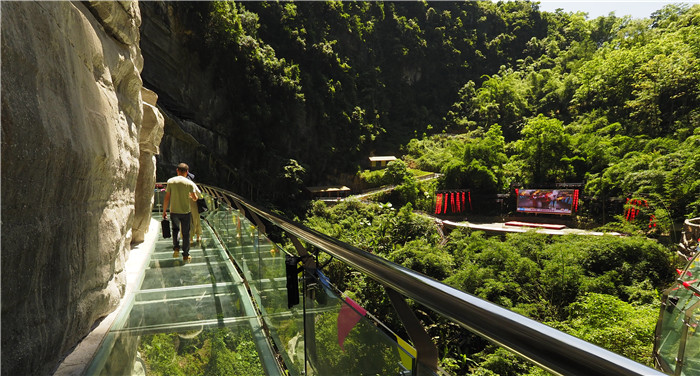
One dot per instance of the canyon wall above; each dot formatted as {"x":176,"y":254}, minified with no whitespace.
{"x":197,"y":124}
{"x":149,"y":146}
{"x":71,"y":120}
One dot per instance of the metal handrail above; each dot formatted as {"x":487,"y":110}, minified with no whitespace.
{"x":553,"y":350}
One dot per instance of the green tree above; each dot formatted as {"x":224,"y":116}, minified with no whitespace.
{"x":613,"y":324}
{"x":396,"y":171}
{"x":544,"y":147}
{"x":481,"y":167}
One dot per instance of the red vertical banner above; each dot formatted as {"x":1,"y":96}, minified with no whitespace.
{"x":633,"y":207}
{"x":438,"y":203}
{"x":469,"y":194}
{"x":575,"y":203}
{"x":452,"y":202}
{"x":459,"y":206}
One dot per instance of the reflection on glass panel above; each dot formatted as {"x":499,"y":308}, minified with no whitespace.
{"x":672,"y":322}
{"x":199,"y":351}
{"x":325,"y":334}
{"x":691,"y":356}
{"x":263,"y":264}
{"x":287,"y":331}
{"x":206,"y":306}
{"x":342,"y":340}
{"x":681,"y":302}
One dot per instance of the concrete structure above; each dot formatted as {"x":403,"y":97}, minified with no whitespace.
{"x":329,"y":192}
{"x":380,"y":161}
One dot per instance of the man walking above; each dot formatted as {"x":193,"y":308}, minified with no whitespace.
{"x":178,"y":194}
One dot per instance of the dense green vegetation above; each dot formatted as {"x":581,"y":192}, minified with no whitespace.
{"x":604,"y":291}
{"x":313,"y":87}
{"x":210,"y":353}
{"x":320,"y":85}
{"x":609,"y":102}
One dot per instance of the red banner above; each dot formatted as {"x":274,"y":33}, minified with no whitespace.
{"x":349,"y":315}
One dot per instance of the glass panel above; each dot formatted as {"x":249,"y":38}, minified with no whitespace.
{"x":672,"y":326}
{"x":212,"y":350}
{"x":680,"y":302}
{"x":193,"y":306}
{"x":189,"y":318}
{"x":691,"y":356}
{"x":287,"y":325}
{"x":287,"y":331}
{"x":263,"y":264}
{"x":367,"y":350}
{"x":343,"y":340}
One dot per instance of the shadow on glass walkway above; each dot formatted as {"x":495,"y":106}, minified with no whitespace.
{"x":244,"y":306}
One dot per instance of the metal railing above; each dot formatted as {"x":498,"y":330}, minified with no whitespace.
{"x":553,"y":350}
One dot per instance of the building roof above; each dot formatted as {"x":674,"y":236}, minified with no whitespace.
{"x":382,"y":158}
{"x":326,"y":189}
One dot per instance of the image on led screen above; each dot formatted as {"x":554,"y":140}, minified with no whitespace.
{"x":546,"y":201}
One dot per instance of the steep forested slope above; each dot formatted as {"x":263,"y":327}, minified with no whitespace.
{"x":303,"y":92}
{"x":609,"y":102}
{"x":325,"y":84}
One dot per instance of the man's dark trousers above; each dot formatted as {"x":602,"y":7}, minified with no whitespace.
{"x":181,"y":221}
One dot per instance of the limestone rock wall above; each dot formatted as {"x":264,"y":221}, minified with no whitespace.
{"x":149,"y":145}
{"x":71,"y":117}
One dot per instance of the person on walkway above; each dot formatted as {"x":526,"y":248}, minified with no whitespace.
{"x":196,"y":223}
{"x":178,"y":195}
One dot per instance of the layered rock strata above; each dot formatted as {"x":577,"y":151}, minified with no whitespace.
{"x":71,"y":117}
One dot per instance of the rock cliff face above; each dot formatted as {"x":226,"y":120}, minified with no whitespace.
{"x":149,"y":145}
{"x":71,"y":123}
{"x":197,"y":112}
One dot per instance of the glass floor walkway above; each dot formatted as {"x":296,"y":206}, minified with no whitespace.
{"x":222,"y":314}
{"x":192,"y":318}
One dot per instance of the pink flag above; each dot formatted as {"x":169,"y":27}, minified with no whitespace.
{"x":349,"y":315}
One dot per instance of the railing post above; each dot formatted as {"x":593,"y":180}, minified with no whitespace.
{"x":307,"y":259}
{"x":258,"y":222}
{"x":427,"y":354}
{"x":240,"y":208}
{"x":225,"y":198}
{"x":309,"y":263}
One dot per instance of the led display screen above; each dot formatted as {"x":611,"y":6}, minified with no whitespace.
{"x":547,"y":201}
